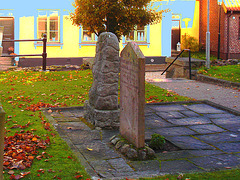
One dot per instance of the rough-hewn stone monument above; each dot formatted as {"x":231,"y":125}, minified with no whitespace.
{"x":102,"y":107}
{"x":132,"y":91}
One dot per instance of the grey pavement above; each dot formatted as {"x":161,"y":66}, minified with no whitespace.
{"x":225,"y":96}
{"x":206,"y":134}
{"x":207,"y":137}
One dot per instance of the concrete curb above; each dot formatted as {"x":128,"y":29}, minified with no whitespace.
{"x":212,"y":80}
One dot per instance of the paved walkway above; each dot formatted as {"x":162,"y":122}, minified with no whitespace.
{"x":208,"y":138}
{"x":225,"y":96}
{"x":207,"y":135}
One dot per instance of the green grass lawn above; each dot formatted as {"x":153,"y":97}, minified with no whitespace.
{"x":22,"y":94}
{"x":229,"y":73}
{"x":199,"y":55}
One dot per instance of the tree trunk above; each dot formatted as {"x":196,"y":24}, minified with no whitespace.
{"x":112,"y":20}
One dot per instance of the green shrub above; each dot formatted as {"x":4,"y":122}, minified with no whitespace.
{"x":157,"y":141}
{"x":189,"y":42}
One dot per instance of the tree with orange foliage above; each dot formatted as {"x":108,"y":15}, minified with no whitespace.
{"x":116,"y":16}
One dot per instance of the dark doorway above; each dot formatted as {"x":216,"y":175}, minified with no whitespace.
{"x":8,"y":33}
{"x":175,"y":33}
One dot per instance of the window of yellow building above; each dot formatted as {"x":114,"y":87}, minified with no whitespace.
{"x":87,"y":36}
{"x":48,"y":23}
{"x":138,"y":34}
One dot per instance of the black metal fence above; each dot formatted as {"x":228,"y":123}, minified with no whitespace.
{"x":44,"y":54}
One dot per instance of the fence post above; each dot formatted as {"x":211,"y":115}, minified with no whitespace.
{"x":2,"y":122}
{"x":190,"y":65}
{"x":44,"y":54}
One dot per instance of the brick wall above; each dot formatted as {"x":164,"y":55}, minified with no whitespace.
{"x":213,"y":25}
{"x":230,"y":43}
{"x":229,"y":28}
{"x":234,"y":42}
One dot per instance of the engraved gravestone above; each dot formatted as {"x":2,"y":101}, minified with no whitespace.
{"x":132,"y":94}
{"x":102,"y":107}
{"x":1,"y":38}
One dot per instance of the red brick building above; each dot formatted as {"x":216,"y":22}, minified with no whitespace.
{"x":228,"y":14}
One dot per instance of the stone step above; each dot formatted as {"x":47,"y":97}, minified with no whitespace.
{"x":5,"y":68}
{"x":154,"y":67}
{"x":174,"y":53}
{"x":5,"y":63}
{"x":8,"y":61}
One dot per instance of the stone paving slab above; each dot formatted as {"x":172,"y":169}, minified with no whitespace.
{"x":208,"y":137}
{"x":174,"y":131}
{"x":229,"y":147}
{"x":232,"y":127}
{"x":224,"y":121}
{"x":215,"y":116}
{"x":188,"y":142}
{"x":189,"y":113}
{"x":175,"y":155}
{"x":171,"y":115}
{"x":178,"y":166}
{"x":220,"y":137}
{"x":206,"y":128}
{"x":167,"y":108}
{"x":81,"y":137}
{"x":120,"y":165}
{"x":217,"y":162}
{"x":204,"y":109}
{"x":154,"y":121}
{"x":97,"y":151}
{"x":190,"y":121}
{"x":152,"y":165}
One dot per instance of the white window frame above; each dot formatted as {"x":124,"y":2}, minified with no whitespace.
{"x":138,"y":37}
{"x":47,"y":14}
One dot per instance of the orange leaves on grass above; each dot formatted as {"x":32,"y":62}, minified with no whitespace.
{"x":36,"y":107}
{"x":21,"y":149}
{"x":46,"y":125}
{"x":153,"y":99}
{"x":20,"y":126}
{"x":78,"y":176}
{"x":22,"y":174}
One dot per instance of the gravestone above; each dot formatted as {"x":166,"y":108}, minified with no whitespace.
{"x":132,"y":94}
{"x":102,"y":108}
{"x":1,"y":38}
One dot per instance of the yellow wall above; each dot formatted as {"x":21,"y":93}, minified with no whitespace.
{"x":71,"y":41}
{"x":71,"y":47}
{"x":26,"y":28}
{"x":155,"y":47}
{"x":194,"y":31}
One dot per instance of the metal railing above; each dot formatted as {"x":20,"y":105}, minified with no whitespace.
{"x":44,"y":54}
{"x":190,"y":64}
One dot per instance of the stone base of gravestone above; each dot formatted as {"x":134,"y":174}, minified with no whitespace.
{"x":130,"y":151}
{"x":102,"y":109}
{"x":107,"y":119}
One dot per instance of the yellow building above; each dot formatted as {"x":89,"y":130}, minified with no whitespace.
{"x":67,"y":43}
